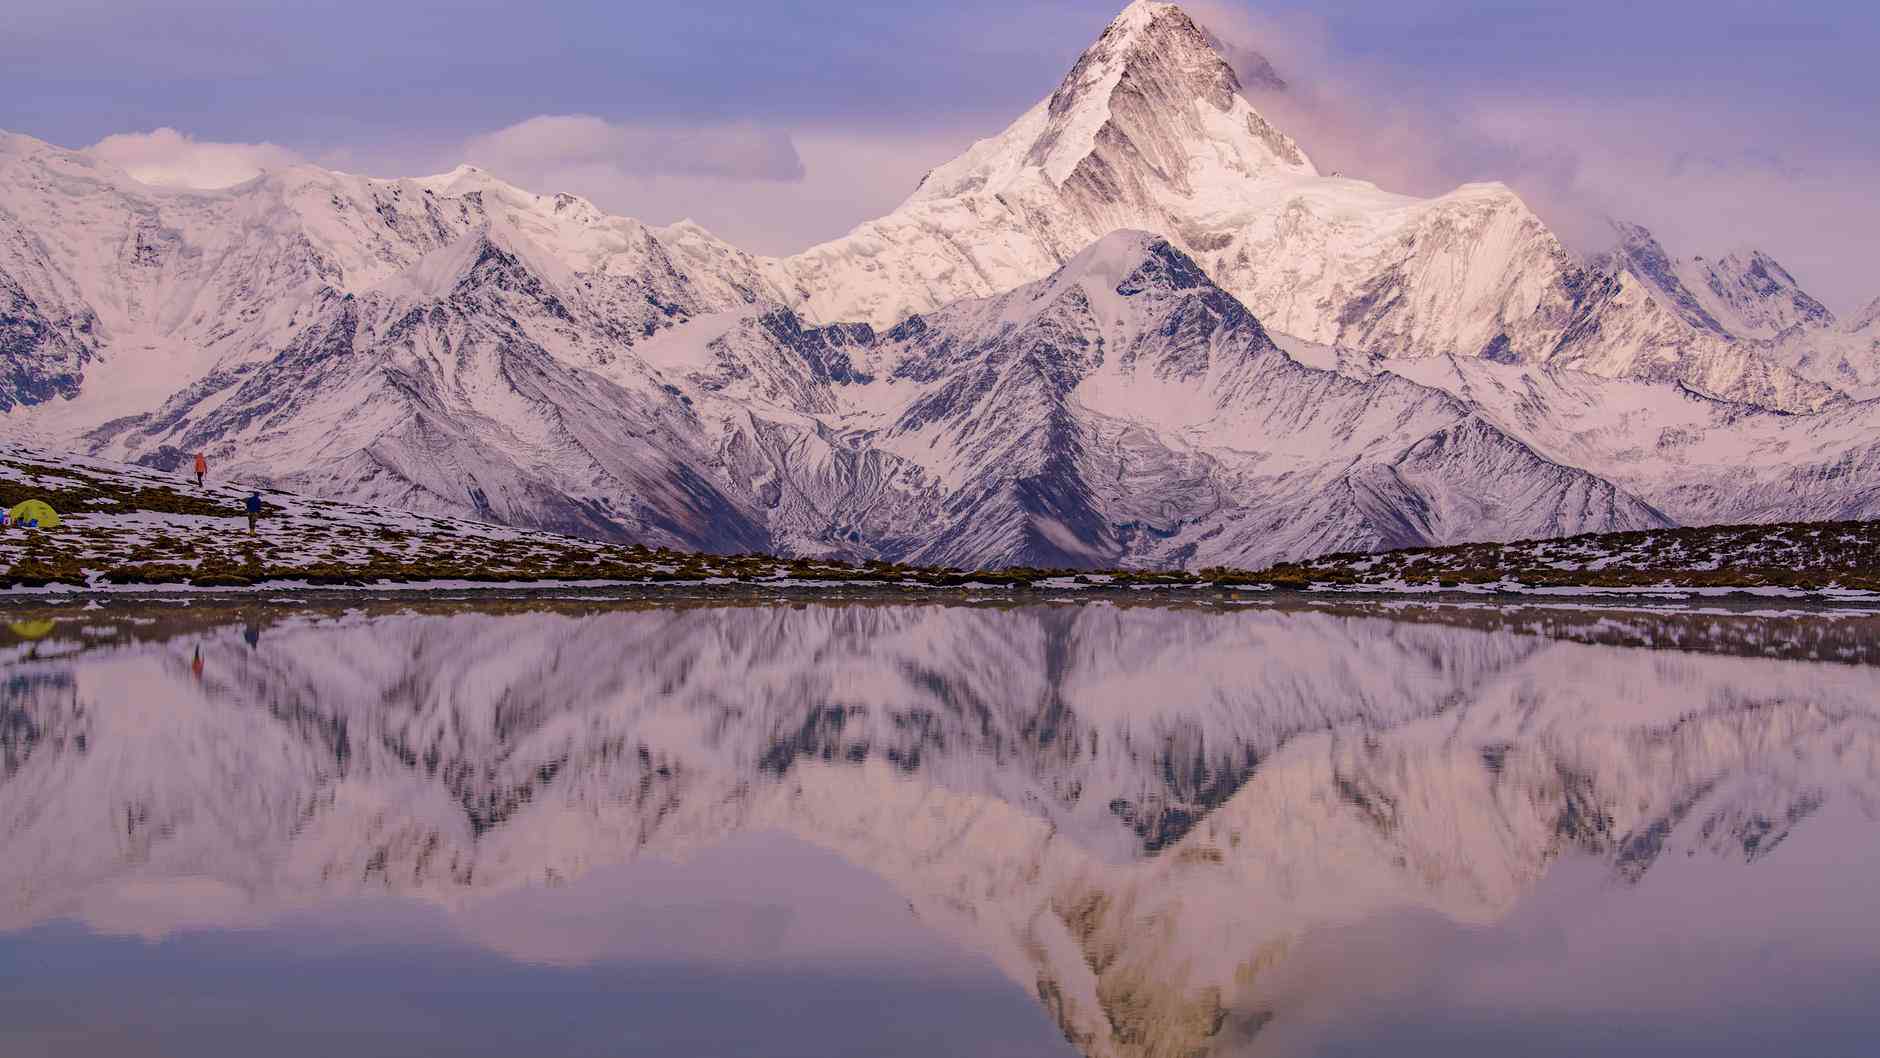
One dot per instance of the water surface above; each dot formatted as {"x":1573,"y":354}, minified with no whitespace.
{"x":595,"y":827}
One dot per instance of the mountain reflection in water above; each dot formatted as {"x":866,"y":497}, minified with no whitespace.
{"x":1141,"y":829}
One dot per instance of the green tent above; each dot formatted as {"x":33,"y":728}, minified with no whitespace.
{"x":34,"y":511}
{"x":31,"y":629}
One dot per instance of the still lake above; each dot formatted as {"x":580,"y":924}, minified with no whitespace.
{"x":918,"y":827}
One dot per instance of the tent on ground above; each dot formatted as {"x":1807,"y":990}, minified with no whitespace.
{"x":34,"y":511}
{"x":31,"y":629}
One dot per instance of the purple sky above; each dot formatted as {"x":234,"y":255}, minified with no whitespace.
{"x":779,"y":123}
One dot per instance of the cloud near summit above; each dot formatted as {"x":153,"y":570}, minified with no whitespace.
{"x":551,"y":143}
{"x":1707,"y":175}
{"x":747,"y":181}
{"x":167,"y":158}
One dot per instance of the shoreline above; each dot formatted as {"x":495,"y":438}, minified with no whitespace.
{"x":131,"y":532}
{"x":1054,"y":590}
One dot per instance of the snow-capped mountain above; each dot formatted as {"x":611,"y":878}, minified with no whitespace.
{"x":1752,"y":302}
{"x":1130,"y":864}
{"x":1150,"y":130}
{"x":1745,"y":295}
{"x":1136,"y":414}
{"x":159,"y":288}
{"x":1005,"y":369}
{"x":1847,"y":357}
{"x":1125,"y":411}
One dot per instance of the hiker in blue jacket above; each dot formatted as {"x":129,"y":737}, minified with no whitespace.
{"x":254,"y":511}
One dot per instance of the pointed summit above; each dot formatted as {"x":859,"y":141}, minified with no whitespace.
{"x":1746,"y":294}
{"x":1154,"y":81}
{"x":1758,"y":297}
{"x":1151,"y":107}
{"x":1640,"y":252}
{"x":1132,"y":283}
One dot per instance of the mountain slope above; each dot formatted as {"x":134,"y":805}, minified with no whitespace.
{"x":1699,"y":460}
{"x":441,"y":394}
{"x":1868,"y":322}
{"x":1127,"y":411}
{"x":1124,"y":412}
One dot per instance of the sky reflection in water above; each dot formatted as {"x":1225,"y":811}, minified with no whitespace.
{"x":590,"y":828}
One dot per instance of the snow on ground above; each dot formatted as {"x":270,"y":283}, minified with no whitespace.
{"x":129,"y":528}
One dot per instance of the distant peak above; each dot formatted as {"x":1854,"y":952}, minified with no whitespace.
{"x":1120,"y":251}
{"x":1632,"y":235}
{"x":1130,"y":262}
{"x":463,"y":174}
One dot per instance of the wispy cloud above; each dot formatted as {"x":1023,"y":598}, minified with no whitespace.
{"x":764,"y":189}
{"x":1705,"y":174}
{"x":168,"y":158}
{"x":556,"y":142}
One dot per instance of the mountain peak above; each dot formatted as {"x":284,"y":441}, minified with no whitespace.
{"x":1141,"y":13}
{"x":463,"y":178}
{"x":1116,"y":261}
{"x":1133,"y":283}
{"x":1763,"y":295}
{"x":494,"y":253}
{"x":1156,"y":80}
{"x":1744,"y":294}
{"x":1152,"y":110}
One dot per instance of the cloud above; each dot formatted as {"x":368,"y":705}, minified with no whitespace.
{"x":167,"y":158}
{"x":1705,"y":174}
{"x":849,"y":177}
{"x":552,"y":142}
{"x":759,"y":198}
{"x":765,"y":190}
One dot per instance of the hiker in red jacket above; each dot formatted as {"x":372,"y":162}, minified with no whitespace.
{"x":202,"y":467}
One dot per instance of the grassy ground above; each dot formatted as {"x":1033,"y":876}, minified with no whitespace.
{"x":132,"y":526}
{"x":1807,"y":556}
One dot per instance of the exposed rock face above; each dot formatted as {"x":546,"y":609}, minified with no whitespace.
{"x":41,"y":356}
{"x":1126,"y":411}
